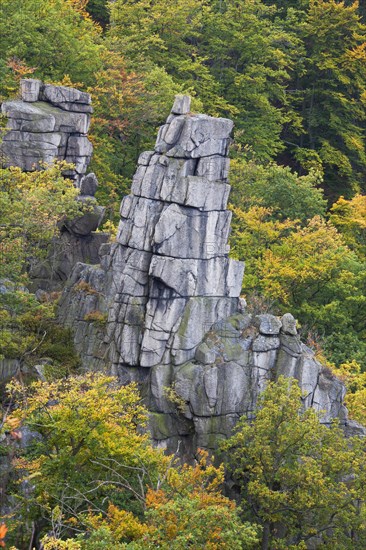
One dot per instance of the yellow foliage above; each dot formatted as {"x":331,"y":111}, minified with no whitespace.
{"x":122,"y":524}
{"x":349,"y":217}
{"x":355,"y":381}
{"x":51,"y":543}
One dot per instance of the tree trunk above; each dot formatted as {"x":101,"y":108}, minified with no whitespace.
{"x":265,"y":536}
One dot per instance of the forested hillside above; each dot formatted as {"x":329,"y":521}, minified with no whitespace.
{"x":292,"y":76}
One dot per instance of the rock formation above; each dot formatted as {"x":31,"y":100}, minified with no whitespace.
{"x":47,"y":123}
{"x":163,"y":307}
{"x":169,"y":275}
{"x":50,"y":123}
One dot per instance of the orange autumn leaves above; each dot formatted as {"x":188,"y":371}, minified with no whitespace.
{"x":3,"y":531}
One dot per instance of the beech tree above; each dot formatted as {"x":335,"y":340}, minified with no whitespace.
{"x":288,"y":195}
{"x":301,"y":480}
{"x":327,"y":90}
{"x":31,"y":204}
{"x":88,"y":449}
{"x":53,"y":38}
{"x":189,"y":510}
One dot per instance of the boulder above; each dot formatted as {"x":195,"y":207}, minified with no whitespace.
{"x":88,"y":185}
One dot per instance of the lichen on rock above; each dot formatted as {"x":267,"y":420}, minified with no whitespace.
{"x":175,"y":319}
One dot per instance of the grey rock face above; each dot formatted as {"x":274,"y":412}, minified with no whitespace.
{"x":171,"y":301}
{"x":8,"y":369}
{"x":268,"y":324}
{"x":65,"y":252}
{"x":232,"y":365}
{"x":29,"y":89}
{"x":51,"y":123}
{"x":87,"y":223}
{"x":169,"y":279}
{"x":88,"y":185}
{"x":48,"y":123}
{"x":288,"y":324}
{"x":182,"y":105}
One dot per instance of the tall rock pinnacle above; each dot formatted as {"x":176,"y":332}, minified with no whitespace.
{"x":172,"y":278}
{"x":163,"y":308}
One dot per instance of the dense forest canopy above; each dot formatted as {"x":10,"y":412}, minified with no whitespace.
{"x":292,"y":76}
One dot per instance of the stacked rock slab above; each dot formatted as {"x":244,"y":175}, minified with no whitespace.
{"x":197,"y":404}
{"x":169,"y":275}
{"x":166,"y":304}
{"x":47,"y":123}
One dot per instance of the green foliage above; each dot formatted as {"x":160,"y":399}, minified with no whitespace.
{"x":291,"y":74}
{"x":191,"y":511}
{"x":99,"y":10}
{"x":349,"y":217}
{"x":232,"y":58}
{"x":309,"y":266}
{"x":297,"y":477}
{"x":90,"y":450}
{"x":50,"y":36}
{"x":165,"y":36}
{"x":94,"y":472}
{"x":254,"y":233}
{"x":129,"y":106}
{"x":355,"y":381}
{"x":29,"y":333}
{"x":327,"y":90}
{"x":278,"y":188}
{"x":31,"y":204}
{"x":187,"y":510}
{"x":96,"y":317}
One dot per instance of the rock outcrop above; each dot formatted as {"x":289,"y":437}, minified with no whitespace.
{"x":197,"y":404}
{"x":47,"y":123}
{"x":163,"y":307}
{"x":50,"y":123}
{"x":168,"y":278}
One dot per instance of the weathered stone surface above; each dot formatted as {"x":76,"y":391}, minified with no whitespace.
{"x":181,"y":105}
{"x":291,"y":344}
{"x":28,"y":155}
{"x":144,"y":158}
{"x":30,"y":89}
{"x":86,"y":223}
{"x":193,"y":191}
{"x":88,"y":185}
{"x":48,"y":123}
{"x":8,"y":369}
{"x":172,"y":246}
{"x":215,"y":277}
{"x":265,"y":343}
{"x":205,"y":355}
{"x":66,"y":98}
{"x":175,"y":321}
{"x":214,"y":167}
{"x":65,"y":252}
{"x":78,"y":146}
{"x":184,"y":232}
{"x":230,"y":370}
{"x":194,"y":137}
{"x":288,"y":324}
{"x":268,"y":324}
{"x":43,"y":117}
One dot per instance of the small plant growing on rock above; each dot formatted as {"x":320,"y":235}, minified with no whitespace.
{"x":97,"y":317}
{"x":171,"y":394}
{"x":83,"y":286}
